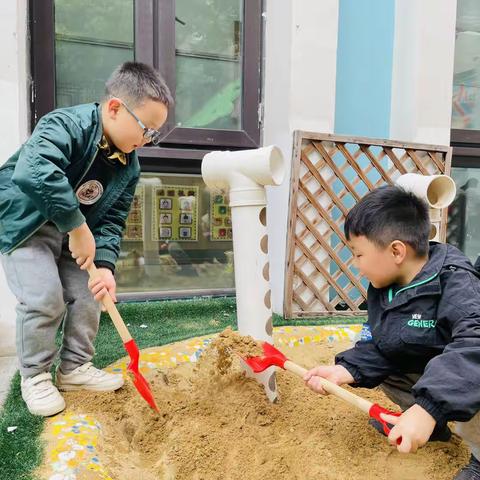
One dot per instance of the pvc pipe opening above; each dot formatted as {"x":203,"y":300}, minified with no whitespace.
{"x":263,"y":216}
{"x":266,"y":272}
{"x":264,"y":244}
{"x":441,"y":192}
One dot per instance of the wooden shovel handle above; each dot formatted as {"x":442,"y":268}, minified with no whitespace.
{"x":112,"y":310}
{"x":332,"y":388}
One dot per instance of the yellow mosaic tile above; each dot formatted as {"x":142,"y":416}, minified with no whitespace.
{"x":73,"y":440}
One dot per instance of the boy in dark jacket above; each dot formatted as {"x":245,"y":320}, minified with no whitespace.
{"x":424,"y":315}
{"x":64,"y":198}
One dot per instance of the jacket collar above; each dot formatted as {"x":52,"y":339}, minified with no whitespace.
{"x":426,"y":282}
{"x":101,"y":141}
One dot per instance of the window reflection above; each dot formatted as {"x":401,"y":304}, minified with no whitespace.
{"x":463,"y":228}
{"x":92,"y":38}
{"x":208,"y":39}
{"x":466,"y":79}
{"x":178,"y":237}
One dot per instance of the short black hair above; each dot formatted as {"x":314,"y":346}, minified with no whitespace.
{"x":390,"y":213}
{"x":135,"y":82}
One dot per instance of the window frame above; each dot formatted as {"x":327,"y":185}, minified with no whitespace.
{"x":154,"y":26}
{"x":466,"y":148}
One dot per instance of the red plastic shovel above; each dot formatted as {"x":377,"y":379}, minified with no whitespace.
{"x":275,"y":357}
{"x":139,"y":380}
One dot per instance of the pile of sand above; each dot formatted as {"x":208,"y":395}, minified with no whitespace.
{"x":215,"y":423}
{"x":225,"y":348}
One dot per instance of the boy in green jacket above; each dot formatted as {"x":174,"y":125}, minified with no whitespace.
{"x":64,"y":198}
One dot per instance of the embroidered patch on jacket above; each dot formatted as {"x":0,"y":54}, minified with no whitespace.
{"x":89,"y":192}
{"x":417,"y":322}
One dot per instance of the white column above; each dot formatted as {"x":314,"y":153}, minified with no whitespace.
{"x":13,"y":127}
{"x":299,"y":94}
{"x":424,"y":48}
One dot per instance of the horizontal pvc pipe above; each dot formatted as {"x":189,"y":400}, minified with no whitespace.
{"x":244,"y":168}
{"x":437,"y":190}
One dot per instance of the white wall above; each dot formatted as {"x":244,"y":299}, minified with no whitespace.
{"x":299,"y":94}
{"x":424,"y":48}
{"x":13,"y":126}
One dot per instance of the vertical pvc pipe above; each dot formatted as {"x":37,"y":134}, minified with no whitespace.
{"x":252,"y":280}
{"x":244,"y":175}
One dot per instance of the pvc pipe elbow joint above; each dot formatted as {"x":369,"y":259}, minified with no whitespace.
{"x":244,"y":173}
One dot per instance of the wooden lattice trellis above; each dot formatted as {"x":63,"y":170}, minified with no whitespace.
{"x":330,"y":174}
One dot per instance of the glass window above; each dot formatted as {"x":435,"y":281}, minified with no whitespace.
{"x":463,"y":228}
{"x":466,"y":79}
{"x":92,"y":37}
{"x":178,"y":237}
{"x":209,"y":52}
{"x":208,"y":48}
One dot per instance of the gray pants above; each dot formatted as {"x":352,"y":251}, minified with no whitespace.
{"x":50,"y":287}
{"x":399,"y":389}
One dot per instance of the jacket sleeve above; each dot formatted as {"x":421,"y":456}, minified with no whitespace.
{"x":366,"y":364}
{"x":449,"y":388}
{"x":108,"y":232}
{"x":41,"y":166}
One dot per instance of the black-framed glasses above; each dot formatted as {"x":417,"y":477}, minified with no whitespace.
{"x":149,"y":134}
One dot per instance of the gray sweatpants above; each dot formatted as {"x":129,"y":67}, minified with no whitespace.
{"x":50,"y":287}
{"x":399,"y":389}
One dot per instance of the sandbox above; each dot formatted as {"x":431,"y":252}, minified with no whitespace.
{"x":215,"y":426}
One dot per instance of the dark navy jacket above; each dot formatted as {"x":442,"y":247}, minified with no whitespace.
{"x":430,"y":327}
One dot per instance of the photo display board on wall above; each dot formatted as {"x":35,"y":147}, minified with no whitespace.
{"x":220,"y":218}
{"x":175,"y":213}
{"x":134,"y":223}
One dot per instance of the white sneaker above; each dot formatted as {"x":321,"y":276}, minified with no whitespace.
{"x":41,"y":395}
{"x":87,"y":377}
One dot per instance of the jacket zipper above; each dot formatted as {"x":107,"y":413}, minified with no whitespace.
{"x":391,"y":295}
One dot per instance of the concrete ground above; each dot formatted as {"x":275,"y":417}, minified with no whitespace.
{"x":8,"y":366}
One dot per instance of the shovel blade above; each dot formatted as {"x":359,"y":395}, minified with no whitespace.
{"x":271,"y":357}
{"x":139,"y":381}
{"x":143,"y":388}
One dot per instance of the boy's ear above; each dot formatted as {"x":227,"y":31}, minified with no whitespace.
{"x":113,"y":106}
{"x":399,"y":251}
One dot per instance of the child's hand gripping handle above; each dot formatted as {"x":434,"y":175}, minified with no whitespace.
{"x":112,"y":310}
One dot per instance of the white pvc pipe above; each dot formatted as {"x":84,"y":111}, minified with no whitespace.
{"x":437,"y":190}
{"x":435,"y":224}
{"x":244,"y":175}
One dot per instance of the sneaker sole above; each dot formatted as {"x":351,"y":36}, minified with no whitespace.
{"x":92,"y":388}
{"x":46,"y":412}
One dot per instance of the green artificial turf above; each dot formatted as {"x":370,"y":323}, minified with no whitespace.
{"x":20,"y":451}
{"x":159,"y":323}
{"x":150,"y":324}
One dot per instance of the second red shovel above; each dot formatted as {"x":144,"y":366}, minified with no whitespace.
{"x":273,"y":357}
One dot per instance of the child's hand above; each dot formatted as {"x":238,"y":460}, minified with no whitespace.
{"x":103,"y":282}
{"x":414,"y":425}
{"x":335,"y":373}
{"x":82,"y":245}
